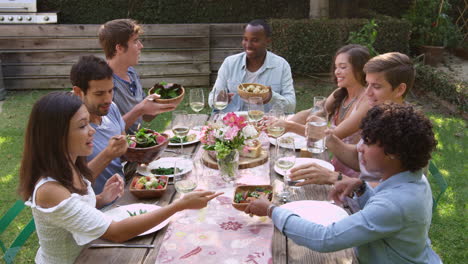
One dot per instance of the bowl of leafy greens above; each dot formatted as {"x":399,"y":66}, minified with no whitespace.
{"x":145,"y":146}
{"x":170,"y":93}
{"x":245,"y":194}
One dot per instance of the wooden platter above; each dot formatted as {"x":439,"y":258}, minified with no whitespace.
{"x":244,"y":163}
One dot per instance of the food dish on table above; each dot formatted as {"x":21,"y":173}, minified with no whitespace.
{"x":300,"y":142}
{"x":122,"y":212}
{"x":167,"y":163}
{"x":244,"y":194}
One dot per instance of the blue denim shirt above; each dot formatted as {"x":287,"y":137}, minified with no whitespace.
{"x":275,"y":72}
{"x":392,"y":226}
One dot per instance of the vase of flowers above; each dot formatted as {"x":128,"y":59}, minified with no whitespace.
{"x":226,"y":138}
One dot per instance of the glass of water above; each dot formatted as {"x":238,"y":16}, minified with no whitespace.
{"x":285,"y":160}
{"x":185,"y":179}
{"x":316,"y":125}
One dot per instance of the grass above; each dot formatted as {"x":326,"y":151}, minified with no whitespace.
{"x":448,"y":225}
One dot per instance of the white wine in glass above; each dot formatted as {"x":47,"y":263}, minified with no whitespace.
{"x":180,"y":126}
{"x":197,"y":99}
{"x":285,"y":160}
{"x":220,"y":98}
{"x":275,"y":131}
{"x":256,"y":109}
{"x":184,"y":182}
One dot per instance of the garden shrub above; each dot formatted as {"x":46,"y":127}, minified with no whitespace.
{"x":394,"y":8}
{"x":442,"y":84}
{"x":170,"y":11}
{"x":309,"y":45}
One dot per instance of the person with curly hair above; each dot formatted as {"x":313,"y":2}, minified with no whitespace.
{"x":394,"y":222}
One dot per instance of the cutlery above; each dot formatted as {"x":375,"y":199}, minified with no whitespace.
{"x":121,"y":245}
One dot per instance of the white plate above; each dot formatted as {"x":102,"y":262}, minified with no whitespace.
{"x":300,"y":161}
{"x":319,"y":212}
{"x":120,"y":213}
{"x":299,"y":141}
{"x":197,"y":138}
{"x":167,"y":162}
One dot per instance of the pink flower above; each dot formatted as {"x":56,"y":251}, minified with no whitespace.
{"x":231,"y":119}
{"x":230,"y":225}
{"x":207,"y":136}
{"x":231,"y":133}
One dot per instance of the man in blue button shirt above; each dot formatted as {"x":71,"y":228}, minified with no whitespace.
{"x":394,"y":222}
{"x":257,"y":65}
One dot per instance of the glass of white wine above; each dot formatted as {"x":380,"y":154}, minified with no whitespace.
{"x":285,"y":160}
{"x":220,"y":98}
{"x":256,"y":109}
{"x":197,"y":99}
{"x":197,"y":102}
{"x":180,"y":126}
{"x":274,"y":129}
{"x":184,"y":181}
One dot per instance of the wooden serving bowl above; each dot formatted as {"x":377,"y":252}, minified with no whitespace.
{"x":175,"y":100}
{"x":146,"y":155}
{"x":244,"y":188}
{"x":147,"y":194}
{"x":246,"y":95}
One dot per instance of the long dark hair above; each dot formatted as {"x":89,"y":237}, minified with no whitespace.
{"x":46,"y":144}
{"x":358,"y":56}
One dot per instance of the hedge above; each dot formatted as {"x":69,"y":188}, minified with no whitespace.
{"x":394,"y":8}
{"x":443,"y":85}
{"x":309,"y":45}
{"x":174,"y":11}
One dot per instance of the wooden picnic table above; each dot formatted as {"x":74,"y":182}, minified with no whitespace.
{"x":284,"y":250}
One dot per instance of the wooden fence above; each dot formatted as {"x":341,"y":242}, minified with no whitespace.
{"x":41,"y":56}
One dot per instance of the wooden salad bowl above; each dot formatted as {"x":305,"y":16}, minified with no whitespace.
{"x":146,"y":155}
{"x":175,"y":100}
{"x":249,"y":188}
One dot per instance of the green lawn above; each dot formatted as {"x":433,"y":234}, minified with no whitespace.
{"x":449,"y":222}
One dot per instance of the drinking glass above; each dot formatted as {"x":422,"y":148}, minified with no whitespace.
{"x":274,"y":129}
{"x":285,"y":160}
{"x":180,"y":126}
{"x":316,"y":126}
{"x":220,"y":98}
{"x":197,"y":103}
{"x":184,"y":181}
{"x":256,"y":109}
{"x":197,"y":99}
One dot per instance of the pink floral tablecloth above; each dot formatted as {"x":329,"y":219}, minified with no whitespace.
{"x":219,"y":233}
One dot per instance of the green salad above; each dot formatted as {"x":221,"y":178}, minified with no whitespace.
{"x":165,"y":171}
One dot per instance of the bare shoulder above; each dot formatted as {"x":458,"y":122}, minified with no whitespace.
{"x":50,"y":194}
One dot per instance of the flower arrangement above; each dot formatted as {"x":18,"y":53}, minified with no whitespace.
{"x":228,"y":136}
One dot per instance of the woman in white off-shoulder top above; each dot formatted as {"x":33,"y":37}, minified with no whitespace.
{"x":56,"y":182}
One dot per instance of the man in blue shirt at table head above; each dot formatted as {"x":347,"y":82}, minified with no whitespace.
{"x":256,"y":65}
{"x":120,"y":40}
{"x":91,"y":78}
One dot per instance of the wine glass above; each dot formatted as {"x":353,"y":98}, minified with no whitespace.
{"x":256,"y":109}
{"x":220,"y":98}
{"x":316,"y":126}
{"x":197,"y":99}
{"x":180,"y":126}
{"x":184,"y":181}
{"x":197,"y":102}
{"x":274,"y":129}
{"x":285,"y":160}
